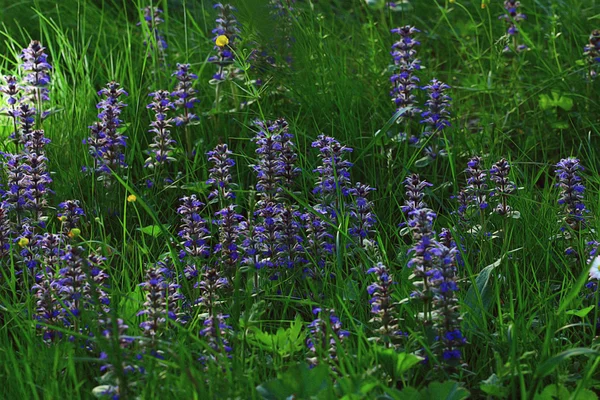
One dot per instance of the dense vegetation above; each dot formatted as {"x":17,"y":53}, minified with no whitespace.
{"x":299,"y":199}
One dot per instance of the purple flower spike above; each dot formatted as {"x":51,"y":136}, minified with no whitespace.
{"x":333,"y":174}
{"x":513,"y":18}
{"x":106,"y":143}
{"x":591,"y":52}
{"x":36,"y":172}
{"x":504,"y":187}
{"x":227,"y":25}
{"x":161,"y":305}
{"x":571,"y":191}
{"x":404,"y":81}
{"x":383,"y":307}
{"x":193,"y":229}
{"x":161,"y":150}
{"x":152,"y":18}
{"x":325,"y":334}
{"x":184,"y":94}
{"x":445,"y":304}
{"x":36,"y":66}
{"x":220,"y":174}
{"x":362,"y":216}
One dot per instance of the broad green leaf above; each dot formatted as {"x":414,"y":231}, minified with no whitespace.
{"x":423,"y":162}
{"x":553,"y":392}
{"x":481,"y":289}
{"x":284,"y":342}
{"x":585,"y":394}
{"x":548,"y":366}
{"x":396,"y":364}
{"x":581,"y":313}
{"x":152,"y":230}
{"x":300,"y":382}
{"x":557,"y":100}
{"x":493,"y":387}
{"x":449,"y":390}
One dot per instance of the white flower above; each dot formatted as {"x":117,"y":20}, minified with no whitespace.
{"x":595,"y":269}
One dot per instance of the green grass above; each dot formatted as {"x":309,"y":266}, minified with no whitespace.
{"x":517,"y":324}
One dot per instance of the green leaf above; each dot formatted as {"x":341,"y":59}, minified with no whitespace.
{"x":423,"y":162}
{"x":545,"y":102}
{"x":493,"y":387}
{"x":566,"y":103}
{"x":449,"y":390}
{"x":581,"y":313}
{"x":396,"y":364}
{"x":354,"y":387}
{"x":557,"y":100}
{"x":548,"y":366}
{"x":152,"y":230}
{"x":482,"y":289}
{"x":553,"y":392}
{"x":284,"y":342}
{"x":585,"y":394}
{"x":299,"y":381}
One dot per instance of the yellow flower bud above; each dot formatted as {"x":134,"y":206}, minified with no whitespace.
{"x":131,"y":198}
{"x":23,"y":242}
{"x":74,"y":232}
{"x":222,"y":41}
{"x":62,"y":218}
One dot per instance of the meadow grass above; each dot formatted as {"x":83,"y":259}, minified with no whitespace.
{"x":520,"y":296}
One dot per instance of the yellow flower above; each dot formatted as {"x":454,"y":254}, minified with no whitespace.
{"x":74,"y":232}
{"x":131,"y":198}
{"x":23,"y":242}
{"x":222,"y":41}
{"x":62,"y":218}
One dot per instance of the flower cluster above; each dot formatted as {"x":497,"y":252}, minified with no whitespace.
{"x":513,"y":17}
{"x":193,"y":230}
{"x":424,"y":254}
{"x":70,"y":283}
{"x":12,"y":91}
{"x":571,"y":191}
{"x":476,"y":182}
{"x":319,"y":241}
{"x":287,"y":170}
{"x":184,"y":94}
{"x":228,"y":221}
{"x":591,"y":52}
{"x":227,"y":28}
{"x":25,"y":120}
{"x":362,"y":216}
{"x":436,"y":117}
{"x":106,"y":143}
{"x":5,"y":233}
{"x":69,"y":216}
{"x":404,"y":81}
{"x":162,"y":302}
{"x":445,"y":304}
{"x":414,"y":187}
{"x":325,"y":334}
{"x":504,"y":187}
{"x":36,"y":66}
{"x":333,"y":174}
{"x":161,"y":150}
{"x":382,"y":306}
{"x":36,"y":172}
{"x":152,"y":18}
{"x":220,"y":173}
{"x":215,"y":329}
{"x":16,"y":196}
{"x":268,"y":209}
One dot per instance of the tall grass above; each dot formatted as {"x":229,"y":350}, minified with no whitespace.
{"x":520,"y":294}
